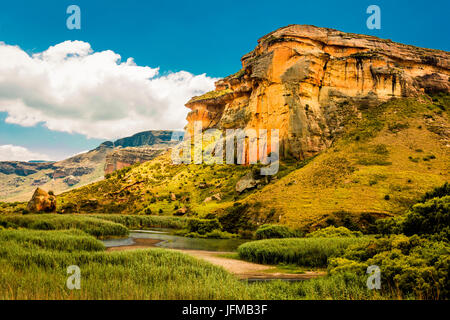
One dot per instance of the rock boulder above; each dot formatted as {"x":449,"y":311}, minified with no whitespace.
{"x":42,"y":202}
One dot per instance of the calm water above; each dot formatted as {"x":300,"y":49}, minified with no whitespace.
{"x":177,"y":242}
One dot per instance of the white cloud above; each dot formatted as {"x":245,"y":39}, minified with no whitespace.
{"x":72,"y":89}
{"x":16,"y":153}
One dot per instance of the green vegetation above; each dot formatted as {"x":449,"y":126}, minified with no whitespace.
{"x":33,"y":265}
{"x":67,"y":240}
{"x":211,"y":95}
{"x":269,"y":231}
{"x":144,"y":222}
{"x":333,"y":232}
{"x":429,"y":218}
{"x":30,"y":271}
{"x":409,"y":265}
{"x":312,"y":252}
{"x":412,"y":266}
{"x":205,"y":228}
{"x":93,"y":226}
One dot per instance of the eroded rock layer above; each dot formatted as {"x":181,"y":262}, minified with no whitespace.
{"x":124,"y":157}
{"x":305,"y":81}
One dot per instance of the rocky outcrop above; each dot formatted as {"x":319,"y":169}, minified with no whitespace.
{"x":246,"y":182}
{"x":40,"y":182}
{"x":120,"y":158}
{"x":148,"y":138}
{"x":42,"y":202}
{"x":305,"y":81}
{"x":65,"y":172}
{"x":23,"y":168}
{"x":71,"y":181}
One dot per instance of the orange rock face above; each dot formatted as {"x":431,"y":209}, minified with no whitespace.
{"x":304,"y":81}
{"x":42,"y":202}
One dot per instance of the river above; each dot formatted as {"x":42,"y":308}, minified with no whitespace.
{"x":170,"y":241}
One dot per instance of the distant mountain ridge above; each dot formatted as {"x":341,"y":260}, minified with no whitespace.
{"x":19,"y":179}
{"x":146,"y":138}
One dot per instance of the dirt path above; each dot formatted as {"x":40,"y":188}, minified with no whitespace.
{"x":242,"y":269}
{"x":138,"y":244}
{"x":248,"y":270}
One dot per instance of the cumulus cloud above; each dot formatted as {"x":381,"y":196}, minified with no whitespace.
{"x":16,"y":153}
{"x":71,"y":88}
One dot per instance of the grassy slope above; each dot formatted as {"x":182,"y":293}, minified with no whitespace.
{"x":151,"y":184}
{"x":381,"y":155}
{"x":398,"y":149}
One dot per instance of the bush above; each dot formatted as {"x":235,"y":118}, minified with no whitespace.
{"x":409,"y":265}
{"x":271,"y":231}
{"x":203,"y":226}
{"x":431,"y":217}
{"x":389,"y":226}
{"x":333,"y":232}
{"x":438,"y":192}
{"x":235,"y":218}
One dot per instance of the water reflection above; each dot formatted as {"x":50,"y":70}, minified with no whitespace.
{"x":177,"y":242}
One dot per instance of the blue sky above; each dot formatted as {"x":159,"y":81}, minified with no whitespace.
{"x":200,"y":37}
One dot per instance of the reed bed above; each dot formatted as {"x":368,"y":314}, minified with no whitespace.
{"x":33,"y":265}
{"x":143,"y":222}
{"x":311,"y":252}
{"x":97,"y":227}
{"x":66,"y":240}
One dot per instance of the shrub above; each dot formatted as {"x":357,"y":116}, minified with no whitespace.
{"x":389,"y":226}
{"x":437,"y":192}
{"x":333,"y":232}
{"x":236,"y":219}
{"x":409,"y":265}
{"x":271,"y":231}
{"x":431,"y":217}
{"x":203,"y":226}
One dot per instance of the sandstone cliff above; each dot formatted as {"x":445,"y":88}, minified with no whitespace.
{"x":305,"y":81}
